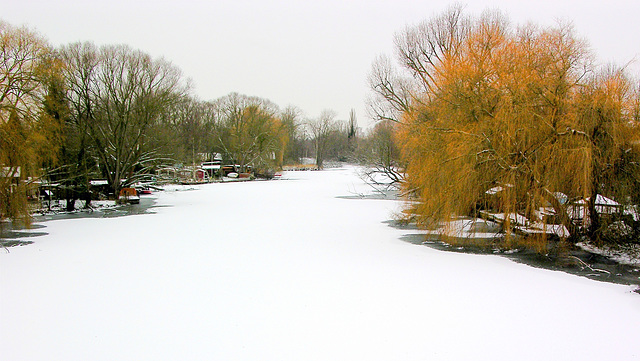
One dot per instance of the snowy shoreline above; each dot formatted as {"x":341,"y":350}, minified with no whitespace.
{"x":288,"y":271}
{"x":587,"y":261}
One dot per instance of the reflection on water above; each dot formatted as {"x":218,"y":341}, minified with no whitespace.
{"x":574,"y":261}
{"x":15,"y":234}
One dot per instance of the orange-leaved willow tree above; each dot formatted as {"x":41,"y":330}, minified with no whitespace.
{"x":515,"y":123}
{"x":30,"y":131}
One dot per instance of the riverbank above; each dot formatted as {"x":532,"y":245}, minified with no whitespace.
{"x":291,"y":270}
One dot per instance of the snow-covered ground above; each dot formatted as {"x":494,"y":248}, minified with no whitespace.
{"x":289,"y":270}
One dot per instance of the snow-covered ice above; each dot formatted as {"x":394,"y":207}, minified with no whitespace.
{"x":289,"y":270}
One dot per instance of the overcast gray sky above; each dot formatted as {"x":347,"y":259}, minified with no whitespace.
{"x":312,"y":54}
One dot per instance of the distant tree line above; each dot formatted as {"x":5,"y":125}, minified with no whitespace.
{"x":483,"y":116}
{"x":82,"y":112}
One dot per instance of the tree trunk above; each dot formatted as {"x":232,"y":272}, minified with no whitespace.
{"x":71,"y":203}
{"x":561,"y":213}
{"x":593,"y":231}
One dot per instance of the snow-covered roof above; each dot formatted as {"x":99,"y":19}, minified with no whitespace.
{"x":210,"y":166}
{"x":498,"y":189}
{"x":10,"y":172}
{"x":561,"y":197}
{"x":601,"y":201}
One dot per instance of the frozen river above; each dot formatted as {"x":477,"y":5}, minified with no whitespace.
{"x":291,"y":270}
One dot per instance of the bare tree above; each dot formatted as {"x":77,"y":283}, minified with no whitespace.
{"x":320,"y":130}
{"x":422,"y":50}
{"x":352,"y":127}
{"x":352,"y":132}
{"x":291,"y":118}
{"x":184,"y":134}
{"x":392,"y":92}
{"x":380,"y":154}
{"x":79,"y":163}
{"x":248,"y":131}
{"x":118,"y":93}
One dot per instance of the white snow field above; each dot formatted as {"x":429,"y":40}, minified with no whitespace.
{"x":288,"y":270}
